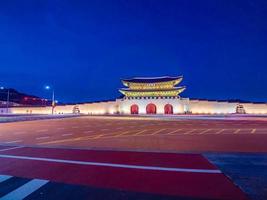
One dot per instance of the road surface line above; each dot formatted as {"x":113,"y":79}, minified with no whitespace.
{"x":158,"y":131}
{"x":42,"y":138}
{"x":237,"y":131}
{"x":125,"y":132}
{"x":4,"y":178}
{"x":188,"y":132}
{"x":67,"y":134}
{"x":209,"y":171}
{"x":11,"y":148}
{"x":170,"y":133}
{"x":220,"y":131}
{"x":253,"y":130}
{"x":96,"y":137}
{"x":205,"y":131}
{"x":60,"y":128}
{"x":15,"y":141}
{"x":25,"y":190}
{"x":138,"y":133}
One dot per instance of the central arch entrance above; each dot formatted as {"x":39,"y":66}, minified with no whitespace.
{"x":134,"y":109}
{"x":151,"y":109}
{"x":168,"y":109}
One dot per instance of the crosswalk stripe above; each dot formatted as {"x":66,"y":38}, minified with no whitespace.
{"x":4,"y":178}
{"x":25,"y":190}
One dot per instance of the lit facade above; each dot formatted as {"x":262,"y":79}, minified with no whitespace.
{"x":148,"y":96}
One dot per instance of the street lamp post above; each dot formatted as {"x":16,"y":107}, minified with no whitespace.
{"x":53,"y":97}
{"x":7,"y":98}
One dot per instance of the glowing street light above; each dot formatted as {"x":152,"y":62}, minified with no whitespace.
{"x":47,"y":87}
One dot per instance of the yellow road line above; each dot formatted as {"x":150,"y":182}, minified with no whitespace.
{"x":172,"y":132}
{"x":138,"y":133}
{"x":237,"y":131}
{"x":220,"y":131}
{"x":118,"y":135}
{"x":188,"y":132}
{"x":205,"y":131}
{"x":158,"y":131}
{"x":253,"y":130}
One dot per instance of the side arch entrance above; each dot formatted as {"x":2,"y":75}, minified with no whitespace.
{"x":134,"y":109}
{"x":168,"y":109}
{"x":151,"y":109}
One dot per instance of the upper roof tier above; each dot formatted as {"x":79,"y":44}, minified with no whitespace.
{"x":152,"y":79}
{"x":152,"y":82}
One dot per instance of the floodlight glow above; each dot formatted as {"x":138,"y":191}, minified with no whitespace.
{"x":47,"y":87}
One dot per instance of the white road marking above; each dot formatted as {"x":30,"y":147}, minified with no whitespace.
{"x":25,"y":190}
{"x":43,"y":138}
{"x":11,"y":148}
{"x":15,"y":141}
{"x":60,"y":128}
{"x":67,"y":134}
{"x":209,"y":171}
{"x":4,"y":178}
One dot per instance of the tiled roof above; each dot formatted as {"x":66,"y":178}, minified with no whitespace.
{"x":153,"y":90}
{"x":152,"y":79}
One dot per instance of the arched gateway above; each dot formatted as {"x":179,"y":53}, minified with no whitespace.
{"x":154,"y":90}
{"x":134,"y":109}
{"x":151,"y":109}
{"x":168,"y":109}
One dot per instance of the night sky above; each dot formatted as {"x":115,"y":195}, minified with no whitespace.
{"x":83,"y":48}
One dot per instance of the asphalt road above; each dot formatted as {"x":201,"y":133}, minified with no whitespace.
{"x":132,"y":134}
{"x":122,"y":158}
{"x":162,"y":175}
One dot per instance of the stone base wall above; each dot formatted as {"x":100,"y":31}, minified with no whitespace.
{"x":123,"y":106}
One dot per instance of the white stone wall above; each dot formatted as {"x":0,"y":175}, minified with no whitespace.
{"x":109,"y":107}
{"x":211,"y":107}
{"x":253,"y":108}
{"x":123,"y":106}
{"x":30,"y":110}
{"x":179,"y":105}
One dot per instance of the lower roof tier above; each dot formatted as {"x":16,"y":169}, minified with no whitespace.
{"x":153,"y":93}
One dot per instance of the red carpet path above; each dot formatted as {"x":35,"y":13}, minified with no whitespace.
{"x":181,"y":175}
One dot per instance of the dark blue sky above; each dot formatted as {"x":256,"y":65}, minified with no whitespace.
{"x":83,"y":48}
